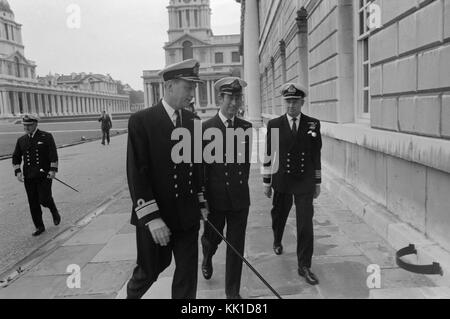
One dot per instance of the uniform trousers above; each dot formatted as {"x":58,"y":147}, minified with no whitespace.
{"x":105,"y":135}
{"x":39,"y":192}
{"x":153,"y":259}
{"x":236,"y":227}
{"x":282,"y":204}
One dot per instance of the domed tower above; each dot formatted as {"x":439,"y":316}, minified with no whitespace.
{"x":189,"y":16}
{"x":12,"y":57}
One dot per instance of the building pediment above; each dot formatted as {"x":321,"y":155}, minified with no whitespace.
{"x":20,"y":58}
{"x":178,"y":43}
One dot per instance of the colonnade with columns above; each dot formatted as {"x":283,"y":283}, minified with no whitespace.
{"x":15,"y":102}
{"x":205,"y":95}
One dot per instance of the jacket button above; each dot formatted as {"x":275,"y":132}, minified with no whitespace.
{"x":190,"y":182}
{"x":288,"y":172}
{"x":240,"y":173}
{"x":176,"y":186}
{"x":241,"y":182}
{"x":190,"y":174}
{"x":192,"y":192}
{"x":226,"y":174}
{"x":228,"y":184}
{"x":288,"y":166}
{"x":303,"y":171}
{"x":175,"y":176}
{"x":176,"y":195}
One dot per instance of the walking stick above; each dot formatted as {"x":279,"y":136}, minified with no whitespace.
{"x":67,"y":185}
{"x":243,"y":259}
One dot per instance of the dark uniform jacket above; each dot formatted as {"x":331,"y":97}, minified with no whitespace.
{"x":298,"y":157}
{"x":227,"y":184}
{"x":38,"y":153}
{"x":160,"y":188}
{"x":106,"y":122}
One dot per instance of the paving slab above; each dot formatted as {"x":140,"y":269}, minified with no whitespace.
{"x":99,"y":231}
{"x":360,"y":233}
{"x":102,"y":278}
{"x":379,"y":253}
{"x":57,"y":262}
{"x":119,"y":247}
{"x":399,"y":278}
{"x":342,"y":277}
{"x":43,"y":287}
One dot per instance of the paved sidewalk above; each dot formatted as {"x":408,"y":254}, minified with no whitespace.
{"x":345,"y":247}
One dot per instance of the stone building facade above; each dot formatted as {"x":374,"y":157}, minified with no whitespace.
{"x":190,"y":36}
{"x":378,"y":73}
{"x":21,"y":91}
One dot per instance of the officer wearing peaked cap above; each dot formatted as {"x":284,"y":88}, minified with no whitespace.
{"x":167,"y":196}
{"x":296,"y":176}
{"x":38,"y":151}
{"x":227,"y":189}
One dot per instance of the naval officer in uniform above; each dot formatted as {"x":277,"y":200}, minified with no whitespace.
{"x":298,"y":176}
{"x":227,"y":188}
{"x":38,"y":151}
{"x":167,"y":196}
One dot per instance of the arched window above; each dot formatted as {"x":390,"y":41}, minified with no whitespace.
{"x":17,"y":64}
{"x":188,"y":51}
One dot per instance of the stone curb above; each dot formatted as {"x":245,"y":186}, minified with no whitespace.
{"x":397,"y":233}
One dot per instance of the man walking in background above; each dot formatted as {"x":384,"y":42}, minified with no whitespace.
{"x":106,"y":125}
{"x":38,"y":151}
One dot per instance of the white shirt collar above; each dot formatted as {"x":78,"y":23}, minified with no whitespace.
{"x":290,"y":118}
{"x":34,"y":133}
{"x":224,"y":119}
{"x":170,"y":110}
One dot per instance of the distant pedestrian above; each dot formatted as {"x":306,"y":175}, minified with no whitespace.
{"x":40,"y":164}
{"x":105,"y":119}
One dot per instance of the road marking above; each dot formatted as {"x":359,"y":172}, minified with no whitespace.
{"x":14,"y":133}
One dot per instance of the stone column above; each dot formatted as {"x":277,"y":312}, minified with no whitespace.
{"x":302,"y":25}
{"x":24,"y":102}
{"x":33,"y":103}
{"x":40,"y":107}
{"x":197,"y":96}
{"x":208,"y":91}
{"x":161,"y":91}
{"x":2,"y":105}
{"x":58,"y":105}
{"x":213,"y":94}
{"x":251,"y":64}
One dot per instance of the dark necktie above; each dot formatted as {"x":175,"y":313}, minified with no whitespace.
{"x":178,"y":118}
{"x":294,"y":126}
{"x":229,"y":124}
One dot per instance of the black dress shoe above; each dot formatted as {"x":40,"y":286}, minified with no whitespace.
{"x":207,"y":268}
{"x":278,"y":249}
{"x":308,"y":275}
{"x":56,"y":219}
{"x":38,"y":232}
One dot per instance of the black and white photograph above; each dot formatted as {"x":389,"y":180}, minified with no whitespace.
{"x":254,"y":152}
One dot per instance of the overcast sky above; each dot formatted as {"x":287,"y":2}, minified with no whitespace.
{"x":120,"y":37}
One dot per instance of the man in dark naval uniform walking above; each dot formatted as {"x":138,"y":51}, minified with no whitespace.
{"x":40,"y":157}
{"x":167,"y":196}
{"x":296,"y":177}
{"x":226,"y":183}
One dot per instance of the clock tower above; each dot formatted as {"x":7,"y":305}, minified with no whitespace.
{"x":189,"y":16}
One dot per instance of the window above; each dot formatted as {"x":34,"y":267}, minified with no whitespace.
{"x":17,"y":65}
{"x":235,"y":57}
{"x":10,"y":69}
{"x":363,"y":78}
{"x":283,"y":61}
{"x":196,"y":18}
{"x":219,"y":57}
{"x":188,"y":51}
{"x":180,"y":19}
{"x":7,"y":31}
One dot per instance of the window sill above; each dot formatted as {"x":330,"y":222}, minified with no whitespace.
{"x":428,"y":151}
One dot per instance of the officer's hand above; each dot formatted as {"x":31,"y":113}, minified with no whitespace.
{"x":268,"y":191}
{"x":205,"y":212}
{"x":20,"y":177}
{"x":160,"y":232}
{"x":51,"y":175}
{"x":317,"y":192}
